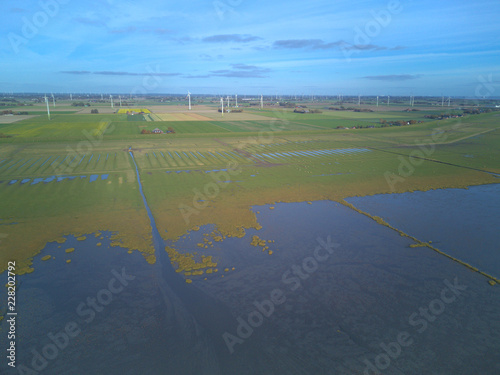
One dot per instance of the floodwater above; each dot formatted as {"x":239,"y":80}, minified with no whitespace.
{"x":337,"y":291}
{"x":461,"y":222}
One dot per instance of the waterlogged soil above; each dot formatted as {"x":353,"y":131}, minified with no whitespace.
{"x":337,"y":289}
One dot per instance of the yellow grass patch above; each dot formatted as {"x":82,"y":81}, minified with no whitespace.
{"x":137,"y":110}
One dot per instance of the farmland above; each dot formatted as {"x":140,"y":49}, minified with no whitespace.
{"x":282,"y":156}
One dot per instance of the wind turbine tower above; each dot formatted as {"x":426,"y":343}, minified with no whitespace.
{"x":377,"y":101}
{"x":222,"y":106}
{"x":53,"y":100}
{"x":70,"y":96}
{"x":189,"y":99}
{"x":359,"y":100}
{"x":261,"y":101}
{"x":449,"y":98}
{"x":111,"y":99}
{"x":388,"y":99}
{"x":236,"y":96}
{"x":48,"y":110}
{"x":120,"y":97}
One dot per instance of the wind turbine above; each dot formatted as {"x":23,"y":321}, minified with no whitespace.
{"x":71,"y":97}
{"x":48,"y":110}
{"x":111,"y":99}
{"x":359,"y":100}
{"x":120,"y":97}
{"x":222,"y":106}
{"x":189,"y":99}
{"x":377,"y":101}
{"x":449,"y":98}
{"x":53,"y":99}
{"x":388,"y":99}
{"x":236,"y":100}
{"x":261,"y":101}
{"x":228,"y":102}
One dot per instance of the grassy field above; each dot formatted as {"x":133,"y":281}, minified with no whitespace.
{"x":228,"y":165}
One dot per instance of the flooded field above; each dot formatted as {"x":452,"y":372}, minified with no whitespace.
{"x":221,"y":188}
{"x":238,"y":254}
{"x":335,"y":295}
{"x":457,"y":221}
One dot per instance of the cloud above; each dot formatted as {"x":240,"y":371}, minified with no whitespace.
{"x":318,"y":44}
{"x":184,"y":39}
{"x":236,"y":71}
{"x":235,"y":38}
{"x":305,"y":44}
{"x":198,"y":76}
{"x":244,"y":66}
{"x":126,"y":30}
{"x":363,"y":47}
{"x":89,"y":21}
{"x":394,"y":77}
{"x":162,"y":31}
{"x":242,"y":71}
{"x":76,"y":72}
{"x":158,"y":30}
{"x":112,"y":73}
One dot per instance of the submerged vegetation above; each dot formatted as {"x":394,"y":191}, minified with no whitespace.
{"x":78,"y":176}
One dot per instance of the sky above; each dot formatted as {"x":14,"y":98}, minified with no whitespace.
{"x":354,"y":47}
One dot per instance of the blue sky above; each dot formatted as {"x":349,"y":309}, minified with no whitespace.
{"x":353,"y":47}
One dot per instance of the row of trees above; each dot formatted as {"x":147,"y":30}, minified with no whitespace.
{"x":342,"y":108}
{"x":170,"y":130}
{"x":11,"y":112}
{"x":303,"y":110}
{"x":386,"y":123}
{"x":228,"y":110}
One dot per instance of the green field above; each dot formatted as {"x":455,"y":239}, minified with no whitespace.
{"x":284,"y":156}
